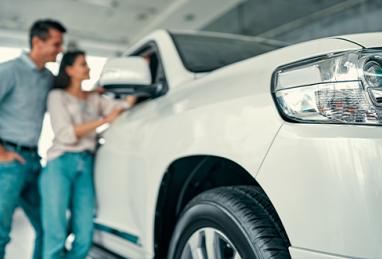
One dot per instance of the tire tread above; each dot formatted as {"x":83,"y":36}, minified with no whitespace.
{"x":253,"y":210}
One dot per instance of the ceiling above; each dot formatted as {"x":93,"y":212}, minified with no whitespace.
{"x":300,"y":20}
{"x":107,"y":27}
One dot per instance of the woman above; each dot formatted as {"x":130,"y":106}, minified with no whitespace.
{"x":67,"y":181}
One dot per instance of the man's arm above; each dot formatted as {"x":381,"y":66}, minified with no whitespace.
{"x":2,"y":149}
{"x":7,"y":79}
{"x":8,"y":156}
{"x":7,"y":82}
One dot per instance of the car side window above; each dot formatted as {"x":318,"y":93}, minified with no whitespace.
{"x":152,"y":60}
{"x":150,"y":53}
{"x":152,"y":56}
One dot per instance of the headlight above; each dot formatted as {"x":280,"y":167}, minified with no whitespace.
{"x":372,"y":73}
{"x":338,"y":88}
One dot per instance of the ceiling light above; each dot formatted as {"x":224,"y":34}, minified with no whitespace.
{"x":103,"y":3}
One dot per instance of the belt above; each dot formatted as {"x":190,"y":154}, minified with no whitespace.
{"x":18,"y":146}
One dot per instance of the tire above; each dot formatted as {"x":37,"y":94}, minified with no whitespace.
{"x":229,"y":222}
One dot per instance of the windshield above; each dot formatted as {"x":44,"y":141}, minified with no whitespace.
{"x":204,"y":53}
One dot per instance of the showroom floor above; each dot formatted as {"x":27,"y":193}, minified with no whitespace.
{"x":22,"y":241}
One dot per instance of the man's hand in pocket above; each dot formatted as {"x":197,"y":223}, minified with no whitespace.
{"x":9,"y":156}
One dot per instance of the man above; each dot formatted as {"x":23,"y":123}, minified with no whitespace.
{"x":24,"y":86}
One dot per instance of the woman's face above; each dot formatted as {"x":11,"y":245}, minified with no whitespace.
{"x":79,"y":71}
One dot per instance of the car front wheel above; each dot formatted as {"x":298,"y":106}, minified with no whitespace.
{"x":228,"y":223}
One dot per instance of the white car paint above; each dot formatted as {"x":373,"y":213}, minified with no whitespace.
{"x":323,"y":180}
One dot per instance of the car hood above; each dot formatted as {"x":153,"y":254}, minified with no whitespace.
{"x":366,"y":40}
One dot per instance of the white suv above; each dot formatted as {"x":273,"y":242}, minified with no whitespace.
{"x":239,"y":150}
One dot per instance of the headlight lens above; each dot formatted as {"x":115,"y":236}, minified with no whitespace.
{"x":373,"y":73}
{"x":341,"y":88}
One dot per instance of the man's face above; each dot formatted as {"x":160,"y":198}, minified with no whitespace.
{"x":49,"y":49}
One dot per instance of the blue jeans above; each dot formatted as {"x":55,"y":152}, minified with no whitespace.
{"x":67,"y":184}
{"x":19,"y":187}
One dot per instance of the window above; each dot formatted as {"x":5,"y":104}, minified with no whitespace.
{"x":205,"y":53}
{"x":158,"y":78}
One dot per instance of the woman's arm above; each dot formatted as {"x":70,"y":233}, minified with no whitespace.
{"x":63,"y":126}
{"x":107,"y":104}
{"x":84,"y":129}
{"x":131,"y":100}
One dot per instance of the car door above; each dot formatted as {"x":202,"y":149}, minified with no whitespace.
{"x":120,"y":177}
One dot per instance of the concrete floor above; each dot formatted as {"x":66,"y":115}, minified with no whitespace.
{"x":22,"y":235}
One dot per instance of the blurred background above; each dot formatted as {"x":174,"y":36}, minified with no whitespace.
{"x":105,"y":28}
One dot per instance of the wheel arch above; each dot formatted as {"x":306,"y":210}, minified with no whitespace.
{"x":184,"y":179}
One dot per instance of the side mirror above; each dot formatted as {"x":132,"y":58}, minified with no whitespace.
{"x":128,"y":76}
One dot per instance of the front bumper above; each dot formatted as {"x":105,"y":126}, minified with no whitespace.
{"x":325,"y":182}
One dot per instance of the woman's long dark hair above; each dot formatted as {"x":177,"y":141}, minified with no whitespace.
{"x":62,"y":80}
